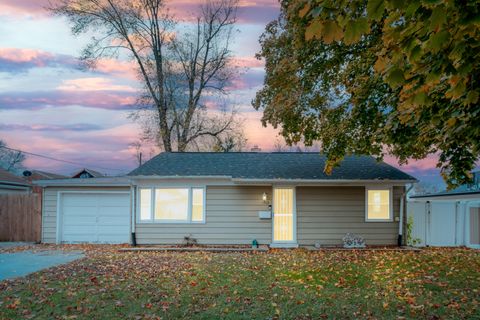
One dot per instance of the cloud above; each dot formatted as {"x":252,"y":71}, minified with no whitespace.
{"x":259,"y":11}
{"x":24,"y":7}
{"x":93,"y":84}
{"x":50,"y":127}
{"x":16,"y":60}
{"x":34,"y":100}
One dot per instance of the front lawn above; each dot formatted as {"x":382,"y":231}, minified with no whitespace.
{"x":293,"y":284}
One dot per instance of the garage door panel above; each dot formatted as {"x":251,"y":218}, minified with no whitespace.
{"x":79,"y":230}
{"x":79,"y":221}
{"x":96,"y":217}
{"x":115,"y":200}
{"x":80,"y":200}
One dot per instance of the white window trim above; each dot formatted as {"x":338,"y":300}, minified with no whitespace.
{"x":152,"y":219}
{"x":390,"y":207}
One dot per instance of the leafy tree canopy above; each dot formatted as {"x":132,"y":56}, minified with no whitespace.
{"x":377,"y":77}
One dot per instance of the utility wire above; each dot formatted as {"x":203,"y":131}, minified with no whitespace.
{"x":60,"y":160}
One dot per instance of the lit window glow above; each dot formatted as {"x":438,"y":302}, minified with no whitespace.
{"x":378,"y":205}
{"x":172,"y":205}
{"x":145,"y":204}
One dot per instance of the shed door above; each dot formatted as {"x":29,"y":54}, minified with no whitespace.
{"x":442,"y":224}
{"x":95,"y":217}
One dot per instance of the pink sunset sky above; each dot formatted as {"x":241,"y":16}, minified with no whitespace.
{"x":50,"y":106}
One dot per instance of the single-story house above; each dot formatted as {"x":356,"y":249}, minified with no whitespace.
{"x":10,"y":183}
{"x":447,"y":218}
{"x":279,"y":199}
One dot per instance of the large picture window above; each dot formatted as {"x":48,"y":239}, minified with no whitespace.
{"x":170,"y":205}
{"x":378,"y":205}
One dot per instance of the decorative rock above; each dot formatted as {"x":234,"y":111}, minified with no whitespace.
{"x":317,"y":244}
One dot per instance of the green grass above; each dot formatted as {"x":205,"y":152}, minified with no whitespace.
{"x":294,"y":284}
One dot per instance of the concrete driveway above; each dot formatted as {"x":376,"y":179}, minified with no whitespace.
{"x":20,"y":264}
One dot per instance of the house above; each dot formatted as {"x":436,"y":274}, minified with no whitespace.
{"x":10,"y":183}
{"x":87,"y":173}
{"x":33,"y":175}
{"x":279,"y":199}
{"x":447,"y":218}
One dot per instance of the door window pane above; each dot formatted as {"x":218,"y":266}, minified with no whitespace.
{"x":283,"y":215}
{"x":171,"y":204}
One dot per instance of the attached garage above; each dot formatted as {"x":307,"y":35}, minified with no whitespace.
{"x":86,"y":211}
{"x":95,"y":217}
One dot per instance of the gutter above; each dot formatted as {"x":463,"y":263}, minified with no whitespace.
{"x":402,"y":214}
{"x":87,"y":182}
{"x":445,"y":195}
{"x":323,"y":181}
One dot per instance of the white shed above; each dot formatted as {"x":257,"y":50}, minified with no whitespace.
{"x":446,"y":219}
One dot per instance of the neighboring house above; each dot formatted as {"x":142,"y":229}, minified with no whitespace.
{"x":10,"y":183}
{"x":448,"y":218}
{"x":87,"y":173}
{"x":279,"y":199}
{"x":33,"y":175}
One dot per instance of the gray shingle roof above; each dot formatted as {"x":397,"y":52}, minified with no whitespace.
{"x":263,"y":165}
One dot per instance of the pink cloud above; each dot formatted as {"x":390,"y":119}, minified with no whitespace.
{"x":93,"y":84}
{"x":427,"y":164}
{"x":258,"y":11}
{"x":29,"y":7}
{"x":35,"y":100}
{"x":19,"y":59}
{"x":247,"y":62}
{"x":124,"y":69}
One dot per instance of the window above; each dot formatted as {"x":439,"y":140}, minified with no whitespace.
{"x":379,"y":205}
{"x":171,"y":204}
{"x":197,"y":205}
{"x":145,"y":204}
{"x":164,"y":205}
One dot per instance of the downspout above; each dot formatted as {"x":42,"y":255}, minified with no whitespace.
{"x":133,"y":210}
{"x":402,"y":214}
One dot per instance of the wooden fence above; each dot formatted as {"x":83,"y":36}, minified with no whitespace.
{"x":20,"y":217}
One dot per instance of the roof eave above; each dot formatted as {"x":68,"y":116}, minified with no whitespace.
{"x":436,"y":195}
{"x":85,"y":182}
{"x":325,"y":181}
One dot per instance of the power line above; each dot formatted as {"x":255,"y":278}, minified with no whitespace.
{"x":60,"y":160}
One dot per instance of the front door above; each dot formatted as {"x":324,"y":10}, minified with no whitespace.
{"x":284,"y":224}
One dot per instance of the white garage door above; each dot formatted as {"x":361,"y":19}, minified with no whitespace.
{"x":95,"y":217}
{"x":442,"y":224}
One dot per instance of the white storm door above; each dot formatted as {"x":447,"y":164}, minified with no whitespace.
{"x":284,"y":215}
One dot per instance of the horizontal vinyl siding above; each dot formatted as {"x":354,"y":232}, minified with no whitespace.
{"x":326,"y":214}
{"x":49,"y":214}
{"x":231,"y":218}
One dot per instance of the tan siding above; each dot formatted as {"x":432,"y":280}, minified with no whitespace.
{"x":49,"y":215}
{"x":231,"y":218}
{"x":326,"y":214}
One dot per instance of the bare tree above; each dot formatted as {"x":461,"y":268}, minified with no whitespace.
{"x":11,"y":160}
{"x":178,"y":67}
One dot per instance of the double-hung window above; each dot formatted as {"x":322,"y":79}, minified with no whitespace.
{"x":379,"y":204}
{"x":170,"y":205}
